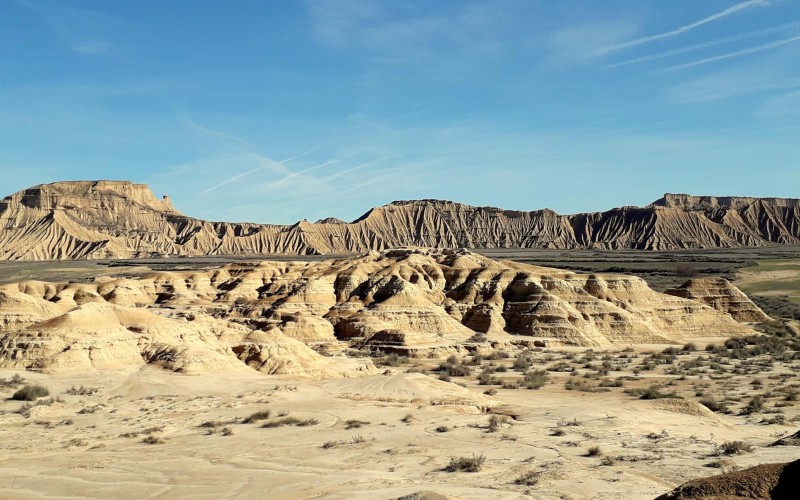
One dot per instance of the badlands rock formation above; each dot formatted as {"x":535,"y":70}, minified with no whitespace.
{"x":721,"y":295}
{"x":768,"y":481}
{"x":118,"y":219}
{"x":266,"y":315}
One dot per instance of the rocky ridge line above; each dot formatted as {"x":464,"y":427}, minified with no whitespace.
{"x":119,"y":219}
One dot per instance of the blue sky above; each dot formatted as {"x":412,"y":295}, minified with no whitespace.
{"x":281,"y":110}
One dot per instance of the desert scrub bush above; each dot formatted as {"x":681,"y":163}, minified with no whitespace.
{"x":495,"y":422}
{"x":211,"y":424}
{"x":734,"y":448}
{"x":442,"y":428}
{"x":355,"y":424}
{"x":153,"y":440}
{"x":476,"y":360}
{"x":30,"y":392}
{"x":15,"y":381}
{"x":297,"y":422}
{"x":573,"y":385}
{"x":652,"y":392}
{"x":778,"y":418}
{"x":561,"y":367}
{"x":755,"y":405}
{"x":454,"y":368}
{"x":522,"y":362}
{"x":726,"y":464}
{"x":686,"y":270}
{"x":608,"y":461}
{"x":486,"y":378}
{"x":256,"y":416}
{"x":477,"y":338}
{"x":594,"y":451}
{"x":612,"y":383}
{"x":711,"y":403}
{"x":558,"y":432}
{"x":392,"y":360}
{"x":25,"y":409}
{"x":490,"y":392}
{"x":496,"y":355}
{"x":466,"y":464}
{"x":82,"y":391}
{"x":407,"y":419}
{"x":535,"y":379}
{"x":530,"y":478}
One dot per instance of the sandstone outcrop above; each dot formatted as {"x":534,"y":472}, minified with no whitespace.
{"x":775,"y":481}
{"x":268,"y":315}
{"x":721,"y":295}
{"x":118,"y":219}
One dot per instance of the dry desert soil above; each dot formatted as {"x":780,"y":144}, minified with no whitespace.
{"x":484,"y":417}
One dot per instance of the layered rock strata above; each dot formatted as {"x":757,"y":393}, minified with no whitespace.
{"x":267,"y":315}
{"x":118,"y":219}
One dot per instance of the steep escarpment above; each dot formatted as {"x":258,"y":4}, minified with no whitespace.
{"x":268,"y":315}
{"x":118,"y":219}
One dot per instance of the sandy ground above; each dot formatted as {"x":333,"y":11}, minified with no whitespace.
{"x":93,"y":446}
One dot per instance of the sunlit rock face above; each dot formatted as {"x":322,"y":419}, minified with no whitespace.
{"x":119,"y":219}
{"x":268,"y":316}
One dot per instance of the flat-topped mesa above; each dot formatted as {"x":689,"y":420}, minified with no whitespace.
{"x":689,"y":202}
{"x":120,"y":219}
{"x":78,"y":194}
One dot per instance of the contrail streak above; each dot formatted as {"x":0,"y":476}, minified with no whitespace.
{"x":752,"y":50}
{"x":683,"y":29}
{"x":705,"y":45}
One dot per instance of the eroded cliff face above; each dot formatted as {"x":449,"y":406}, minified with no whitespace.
{"x":117,"y":219}
{"x":720,"y":294}
{"x":266,"y":315}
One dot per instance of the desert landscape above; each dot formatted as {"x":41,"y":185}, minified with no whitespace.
{"x":407,"y":373}
{"x":400,"y":250}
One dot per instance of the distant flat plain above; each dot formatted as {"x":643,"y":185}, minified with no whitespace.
{"x":661,"y":269}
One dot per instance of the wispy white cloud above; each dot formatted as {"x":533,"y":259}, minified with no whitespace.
{"x":688,"y":27}
{"x":705,"y":45}
{"x":738,"y":53}
{"x":238,"y":142}
{"x":233,"y":179}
